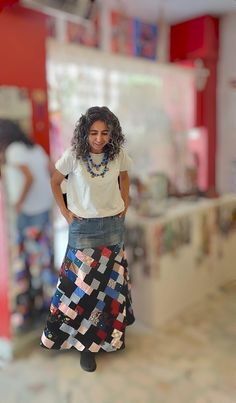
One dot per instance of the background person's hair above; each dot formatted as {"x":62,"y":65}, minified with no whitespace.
{"x":80,"y":138}
{"x":11,"y":132}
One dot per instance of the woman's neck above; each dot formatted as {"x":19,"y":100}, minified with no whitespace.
{"x":93,"y":152}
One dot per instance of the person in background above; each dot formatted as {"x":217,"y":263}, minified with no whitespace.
{"x":26,"y":174}
{"x":92,"y":305}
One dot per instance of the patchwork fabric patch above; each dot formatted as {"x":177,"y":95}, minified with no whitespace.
{"x":92,"y":303}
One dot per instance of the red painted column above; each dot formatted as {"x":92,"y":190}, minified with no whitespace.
{"x":23,"y":62}
{"x":199,"y":39}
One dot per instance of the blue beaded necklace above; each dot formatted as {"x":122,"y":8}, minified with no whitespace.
{"x":91,"y":164}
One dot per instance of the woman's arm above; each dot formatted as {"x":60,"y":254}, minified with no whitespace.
{"x":56,"y":181}
{"x":28,"y":181}
{"x":124,"y":189}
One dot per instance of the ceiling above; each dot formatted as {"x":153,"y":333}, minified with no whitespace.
{"x":147,"y":10}
{"x":174,"y":10}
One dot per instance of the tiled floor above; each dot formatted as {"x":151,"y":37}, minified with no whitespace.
{"x":190,"y":360}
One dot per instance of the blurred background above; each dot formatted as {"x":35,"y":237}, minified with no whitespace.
{"x":166,"y":68}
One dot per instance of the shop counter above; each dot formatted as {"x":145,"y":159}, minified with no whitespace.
{"x":178,"y":258}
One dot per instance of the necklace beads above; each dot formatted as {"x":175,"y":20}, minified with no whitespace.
{"x":91,"y":164}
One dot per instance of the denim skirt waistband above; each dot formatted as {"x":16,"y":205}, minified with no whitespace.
{"x":93,"y":232}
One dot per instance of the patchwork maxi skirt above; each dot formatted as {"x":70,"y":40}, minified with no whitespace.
{"x":92,"y":304}
{"x":34,"y":274}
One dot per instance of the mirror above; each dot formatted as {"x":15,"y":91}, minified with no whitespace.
{"x":15,"y":105}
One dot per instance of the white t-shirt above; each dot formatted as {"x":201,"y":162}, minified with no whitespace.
{"x":91,"y":197}
{"x":39,"y":198}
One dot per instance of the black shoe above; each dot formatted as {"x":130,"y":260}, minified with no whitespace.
{"x":123,"y":340}
{"x":87,"y":361}
{"x":122,"y":347}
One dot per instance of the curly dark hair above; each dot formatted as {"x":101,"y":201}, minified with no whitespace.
{"x":79,"y":141}
{"x":11,"y":132}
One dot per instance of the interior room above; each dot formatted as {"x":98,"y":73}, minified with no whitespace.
{"x":164,"y":71}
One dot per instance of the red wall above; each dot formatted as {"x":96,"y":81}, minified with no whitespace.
{"x":193,"y":39}
{"x":23,"y":59}
{"x":22,"y":55}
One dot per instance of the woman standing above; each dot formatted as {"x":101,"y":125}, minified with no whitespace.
{"x":27,"y":177}
{"x":92,"y":304}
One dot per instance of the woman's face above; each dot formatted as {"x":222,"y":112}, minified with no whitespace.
{"x":98,"y":137}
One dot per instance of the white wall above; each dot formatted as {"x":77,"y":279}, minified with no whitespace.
{"x":226,"y":169}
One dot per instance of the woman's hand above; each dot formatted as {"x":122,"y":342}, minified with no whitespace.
{"x":69,"y":216}
{"x":122,"y":214}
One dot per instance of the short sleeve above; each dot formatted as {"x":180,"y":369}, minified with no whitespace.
{"x":125,"y":161}
{"x":65,"y":164}
{"x":16,"y":154}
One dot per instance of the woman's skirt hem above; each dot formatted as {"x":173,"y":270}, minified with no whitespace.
{"x":92,"y":304}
